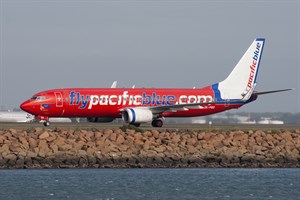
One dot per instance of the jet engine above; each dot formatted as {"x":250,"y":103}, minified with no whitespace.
{"x":137,"y":115}
{"x":100,"y":119}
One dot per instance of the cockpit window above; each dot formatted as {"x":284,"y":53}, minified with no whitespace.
{"x":38,"y":98}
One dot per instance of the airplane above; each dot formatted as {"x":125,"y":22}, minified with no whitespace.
{"x":144,"y":105}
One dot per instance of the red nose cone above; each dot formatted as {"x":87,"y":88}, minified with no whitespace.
{"x":26,"y":106}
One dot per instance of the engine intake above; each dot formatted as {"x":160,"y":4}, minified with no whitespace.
{"x":137,"y":115}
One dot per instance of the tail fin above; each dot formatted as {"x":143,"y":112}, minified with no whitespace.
{"x":241,"y":81}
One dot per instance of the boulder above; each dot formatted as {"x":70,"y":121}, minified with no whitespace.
{"x":138,"y":136}
{"x":208,"y":147}
{"x":120,"y":139}
{"x":147,"y":134}
{"x":98,"y":135}
{"x":20,"y":162}
{"x":155,"y":133}
{"x":32,"y":143}
{"x":24,"y":143}
{"x":239,"y":136}
{"x":64,"y":147}
{"x":287,"y":136}
{"x":217,"y":140}
{"x":160,"y":149}
{"x":207,"y":136}
{"x":13,"y":131}
{"x":130,"y":132}
{"x":10,"y":156}
{"x":175,"y":139}
{"x":192,"y":149}
{"x":38,"y":130}
{"x":43,"y":148}
{"x":122,"y":148}
{"x":78,"y":145}
{"x":4,"y":148}
{"x":2,"y":138}
{"x":51,"y":138}
{"x":22,"y":153}
{"x":59,"y":141}
{"x":44,"y":135}
{"x":200,"y":136}
{"x":113,"y":137}
{"x":191,"y":142}
{"x":146,"y":146}
{"x":31,"y":154}
{"x":248,"y":158}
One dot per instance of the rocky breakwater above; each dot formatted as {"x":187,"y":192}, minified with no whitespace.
{"x":60,"y":148}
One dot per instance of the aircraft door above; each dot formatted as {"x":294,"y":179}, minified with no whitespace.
{"x":59,"y":99}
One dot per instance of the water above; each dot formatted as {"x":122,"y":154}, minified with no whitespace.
{"x":110,"y":184}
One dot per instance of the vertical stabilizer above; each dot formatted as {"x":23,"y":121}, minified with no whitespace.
{"x":241,"y":81}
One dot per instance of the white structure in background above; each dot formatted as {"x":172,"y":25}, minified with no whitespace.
{"x":60,"y":120}
{"x":219,"y":116}
{"x":243,"y":119}
{"x":15,"y":116}
{"x":23,"y":117}
{"x":267,"y":120}
{"x":198,"y":120}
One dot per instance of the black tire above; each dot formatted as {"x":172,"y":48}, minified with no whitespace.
{"x":46,"y":123}
{"x":157,"y":123}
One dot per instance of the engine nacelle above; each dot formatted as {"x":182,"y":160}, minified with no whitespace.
{"x":137,"y":115}
{"x":100,"y":119}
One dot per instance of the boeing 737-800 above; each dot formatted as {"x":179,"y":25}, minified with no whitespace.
{"x":140,"y":105}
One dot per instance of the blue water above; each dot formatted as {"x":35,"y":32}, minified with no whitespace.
{"x":110,"y":184}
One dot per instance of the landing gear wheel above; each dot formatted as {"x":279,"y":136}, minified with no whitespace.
{"x":157,"y":123}
{"x":136,"y":124}
{"x":46,"y":123}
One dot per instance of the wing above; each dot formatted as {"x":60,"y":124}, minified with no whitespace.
{"x":185,"y":107}
{"x":182,"y":107}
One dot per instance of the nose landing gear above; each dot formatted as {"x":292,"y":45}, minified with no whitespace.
{"x":44,"y":119}
{"x":46,"y":123}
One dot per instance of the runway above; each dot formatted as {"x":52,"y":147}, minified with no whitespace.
{"x":222,"y":127}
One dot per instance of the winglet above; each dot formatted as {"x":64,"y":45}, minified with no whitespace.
{"x":114,"y":84}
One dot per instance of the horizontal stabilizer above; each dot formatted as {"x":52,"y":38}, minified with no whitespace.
{"x":269,"y":92}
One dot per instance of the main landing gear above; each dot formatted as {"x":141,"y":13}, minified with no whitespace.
{"x":157,"y":123}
